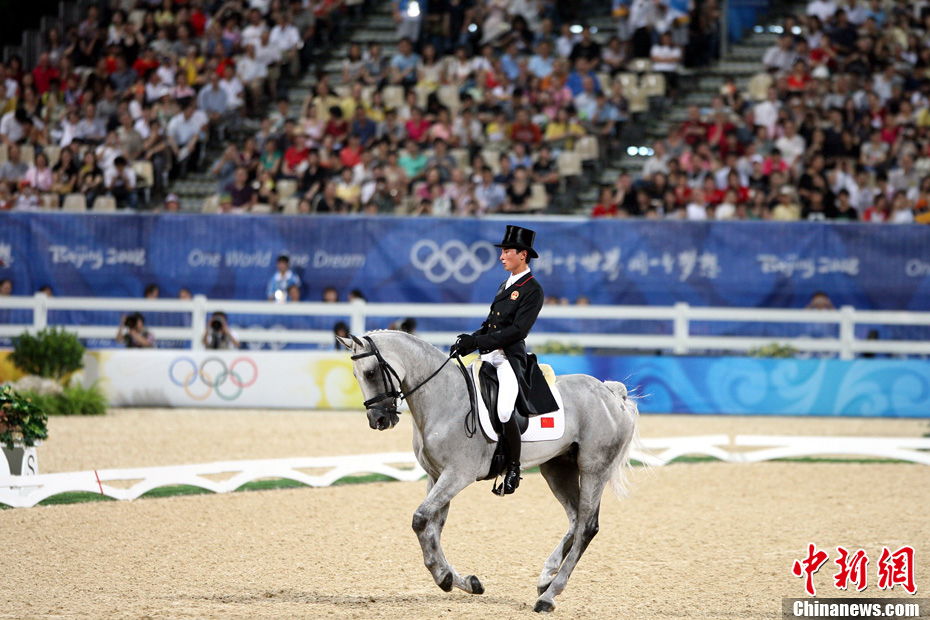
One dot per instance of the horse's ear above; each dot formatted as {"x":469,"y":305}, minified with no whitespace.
{"x":346,"y":342}
{"x":359,"y":343}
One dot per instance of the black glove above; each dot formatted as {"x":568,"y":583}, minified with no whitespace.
{"x":465,"y":344}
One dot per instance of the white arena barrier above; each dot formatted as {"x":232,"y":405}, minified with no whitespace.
{"x":27,"y":491}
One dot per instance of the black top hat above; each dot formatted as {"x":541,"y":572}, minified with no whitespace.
{"x":520,"y":239}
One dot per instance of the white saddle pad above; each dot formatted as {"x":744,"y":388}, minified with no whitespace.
{"x":544,"y":427}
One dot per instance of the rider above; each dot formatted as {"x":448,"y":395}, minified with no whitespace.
{"x":501,"y":343}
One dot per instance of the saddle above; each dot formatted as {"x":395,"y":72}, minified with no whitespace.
{"x":488,"y":388}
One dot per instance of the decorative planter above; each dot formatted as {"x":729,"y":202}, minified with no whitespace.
{"x":20,"y":461}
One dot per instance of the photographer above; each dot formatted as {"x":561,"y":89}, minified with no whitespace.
{"x":132,"y":332}
{"x":218,"y":335}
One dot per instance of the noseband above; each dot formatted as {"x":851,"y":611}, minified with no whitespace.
{"x":395,"y":394}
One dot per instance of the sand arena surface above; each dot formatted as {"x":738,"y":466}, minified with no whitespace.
{"x":705,"y":540}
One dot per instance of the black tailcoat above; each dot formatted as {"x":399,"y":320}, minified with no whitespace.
{"x":513,"y":313}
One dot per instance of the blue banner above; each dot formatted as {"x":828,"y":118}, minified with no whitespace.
{"x":739,"y":385}
{"x":454,"y":260}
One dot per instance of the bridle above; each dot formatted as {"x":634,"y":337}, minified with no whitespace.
{"x":392,"y":396}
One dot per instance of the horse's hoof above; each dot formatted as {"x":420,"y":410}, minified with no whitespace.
{"x":543,"y":607}
{"x":476,"y":587}
{"x":446,"y":583}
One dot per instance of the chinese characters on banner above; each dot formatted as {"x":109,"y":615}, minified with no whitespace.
{"x":894,"y":568}
{"x":682,"y":265}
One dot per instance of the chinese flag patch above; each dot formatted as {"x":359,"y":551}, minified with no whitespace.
{"x":547,"y":422}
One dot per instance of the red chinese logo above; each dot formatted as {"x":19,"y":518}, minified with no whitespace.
{"x":894,"y":568}
{"x":810,"y":565}
{"x":852,"y":569}
{"x":897,"y":569}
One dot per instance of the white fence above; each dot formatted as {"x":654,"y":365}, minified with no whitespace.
{"x":681,"y":316}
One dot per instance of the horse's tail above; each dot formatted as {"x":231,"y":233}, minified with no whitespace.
{"x":619,"y":482}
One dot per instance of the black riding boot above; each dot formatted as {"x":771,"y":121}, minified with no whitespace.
{"x":512,"y":475}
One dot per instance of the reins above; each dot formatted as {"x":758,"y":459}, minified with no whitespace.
{"x":395,"y":394}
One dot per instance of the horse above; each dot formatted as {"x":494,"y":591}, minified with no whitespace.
{"x":600,"y":429}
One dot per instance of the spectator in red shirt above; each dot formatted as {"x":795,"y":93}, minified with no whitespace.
{"x":145,"y":62}
{"x":524,"y":130}
{"x":336,"y":126}
{"x":741,"y":193}
{"x":351,"y":154}
{"x":716,"y":133}
{"x":417,"y":127}
{"x":799,"y":79}
{"x":198,"y":21}
{"x":605,"y":207}
{"x":44,"y":73}
{"x":295,"y":157}
{"x":694,"y":130}
{"x":774,"y":163}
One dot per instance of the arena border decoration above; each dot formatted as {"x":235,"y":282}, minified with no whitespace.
{"x":27,"y":491}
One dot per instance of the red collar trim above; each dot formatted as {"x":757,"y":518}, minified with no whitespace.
{"x":525,"y":281}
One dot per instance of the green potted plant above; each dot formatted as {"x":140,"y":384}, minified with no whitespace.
{"x":23,"y":426}
{"x":47,"y":360}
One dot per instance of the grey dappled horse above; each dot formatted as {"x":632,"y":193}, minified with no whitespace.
{"x":600,"y":428}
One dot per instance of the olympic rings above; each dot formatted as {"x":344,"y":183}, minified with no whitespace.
{"x":455,"y":259}
{"x":206,"y":382}
{"x":190,"y":376}
{"x":235,"y":379}
{"x":206,"y":378}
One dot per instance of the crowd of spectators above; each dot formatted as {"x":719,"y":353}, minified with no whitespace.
{"x":471,"y":114}
{"x":836,"y":126}
{"x":132,"y":94}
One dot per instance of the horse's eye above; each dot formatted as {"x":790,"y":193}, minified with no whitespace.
{"x":369,"y":374}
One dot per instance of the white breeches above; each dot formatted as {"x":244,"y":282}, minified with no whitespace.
{"x":508,"y":389}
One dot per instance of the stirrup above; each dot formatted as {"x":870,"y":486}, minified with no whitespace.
{"x":510,"y":482}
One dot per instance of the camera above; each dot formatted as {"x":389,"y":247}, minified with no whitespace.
{"x":216,"y":325}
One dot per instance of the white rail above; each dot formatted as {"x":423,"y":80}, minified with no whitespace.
{"x":680,"y":317}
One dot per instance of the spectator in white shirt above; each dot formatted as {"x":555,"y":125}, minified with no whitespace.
{"x":822,"y":9}
{"x":184,"y":137}
{"x":765,"y":112}
{"x":856,"y":12}
{"x":91,"y":129}
{"x":253,"y":73}
{"x":780,"y":57}
{"x":12,"y":124}
{"x":233,"y":88}
{"x":791,"y":144}
{"x":108,"y":151}
{"x":286,"y":38}
{"x":666,"y":59}
{"x":657,"y":163}
{"x":141,"y":125}
{"x":155,"y":89}
{"x":168,"y":69}
{"x":566,"y":41}
{"x":252,"y":33}
{"x":269,"y":55}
